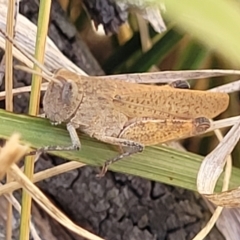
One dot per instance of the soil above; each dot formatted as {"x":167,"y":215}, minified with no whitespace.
{"x":117,"y":207}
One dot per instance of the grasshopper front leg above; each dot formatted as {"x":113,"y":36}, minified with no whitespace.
{"x":76,"y":144}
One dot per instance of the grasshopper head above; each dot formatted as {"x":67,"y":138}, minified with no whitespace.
{"x":61,"y":100}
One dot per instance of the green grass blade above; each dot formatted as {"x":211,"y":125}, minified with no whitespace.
{"x":192,"y":57}
{"x":122,"y":54}
{"x":160,"y":164}
{"x":157,"y":53}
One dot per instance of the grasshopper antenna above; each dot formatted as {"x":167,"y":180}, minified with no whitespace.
{"x":32,"y":59}
{"x":30,"y":70}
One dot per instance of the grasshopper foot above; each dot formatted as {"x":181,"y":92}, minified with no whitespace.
{"x":54,"y":148}
{"x":103,"y":171}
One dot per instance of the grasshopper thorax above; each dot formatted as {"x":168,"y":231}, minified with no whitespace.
{"x":61,"y":100}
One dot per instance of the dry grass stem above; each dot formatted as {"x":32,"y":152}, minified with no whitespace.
{"x":45,"y":174}
{"x":25,"y":38}
{"x":11,"y":153}
{"x":203,"y":233}
{"x":10,"y":198}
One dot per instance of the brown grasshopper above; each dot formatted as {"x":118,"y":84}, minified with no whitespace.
{"x":128,"y":115}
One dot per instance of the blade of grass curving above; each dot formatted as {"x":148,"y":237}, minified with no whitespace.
{"x":217,"y":29}
{"x":160,"y":164}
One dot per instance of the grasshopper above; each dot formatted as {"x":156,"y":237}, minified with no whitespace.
{"x":128,"y":115}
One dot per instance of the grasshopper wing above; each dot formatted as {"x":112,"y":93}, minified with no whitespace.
{"x":166,"y":102}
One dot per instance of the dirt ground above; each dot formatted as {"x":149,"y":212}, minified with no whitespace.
{"x":117,"y":207}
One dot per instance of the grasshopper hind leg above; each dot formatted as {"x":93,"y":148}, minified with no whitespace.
{"x":131,"y":146}
{"x":149,"y":131}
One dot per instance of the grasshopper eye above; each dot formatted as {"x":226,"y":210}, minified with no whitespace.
{"x":67,"y":92}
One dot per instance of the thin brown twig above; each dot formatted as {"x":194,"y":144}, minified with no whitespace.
{"x":8,"y":62}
